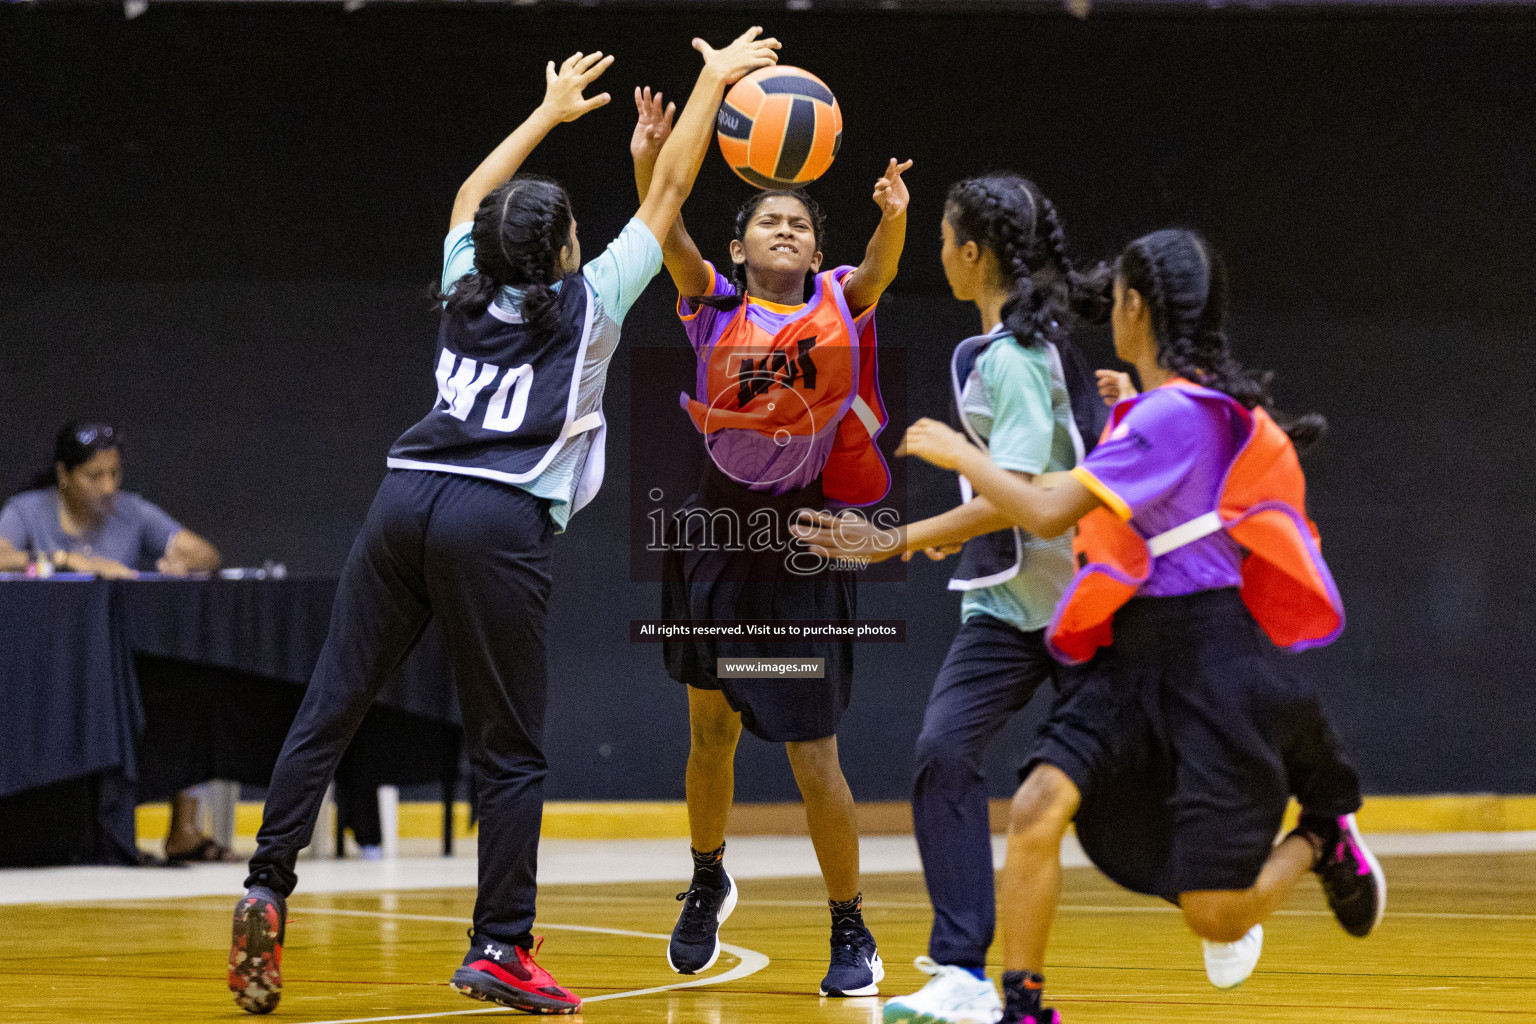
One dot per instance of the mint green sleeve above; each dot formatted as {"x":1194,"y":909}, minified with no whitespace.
{"x":622,"y":271}
{"x":1023,"y":420}
{"x":458,"y":254}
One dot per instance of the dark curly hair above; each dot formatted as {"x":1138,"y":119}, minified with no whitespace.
{"x":744,"y":215}
{"x":1007,"y":214}
{"x":519,"y":230}
{"x":1184,"y":284}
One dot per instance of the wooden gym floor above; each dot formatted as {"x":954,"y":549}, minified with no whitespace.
{"x":1458,"y":944}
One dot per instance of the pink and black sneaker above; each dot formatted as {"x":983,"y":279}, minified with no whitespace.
{"x":506,"y":974}
{"x":1352,"y":877}
{"x":256,"y":950}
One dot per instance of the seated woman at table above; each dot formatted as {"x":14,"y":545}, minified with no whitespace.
{"x":79,"y":519}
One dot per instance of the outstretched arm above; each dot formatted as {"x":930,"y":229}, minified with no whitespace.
{"x":958,"y":525}
{"x":835,"y":537}
{"x":682,"y":155}
{"x":106,"y":568}
{"x":683,"y":260}
{"x":562,"y":102}
{"x":1047,"y":506}
{"x":882,"y":258}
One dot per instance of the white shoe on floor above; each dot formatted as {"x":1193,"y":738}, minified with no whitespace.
{"x":953,"y":996}
{"x":1229,"y":964}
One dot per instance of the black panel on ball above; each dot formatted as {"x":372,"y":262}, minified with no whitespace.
{"x":732,"y":123}
{"x":762,"y":180}
{"x":797,"y":85}
{"x":799,"y":134}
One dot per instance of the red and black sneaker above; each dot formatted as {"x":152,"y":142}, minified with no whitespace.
{"x":506,"y":974}
{"x":256,"y":951}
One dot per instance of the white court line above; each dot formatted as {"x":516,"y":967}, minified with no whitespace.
{"x":587,"y":862}
{"x":1064,"y":909}
{"x":1069,"y":908}
{"x":751,"y":962}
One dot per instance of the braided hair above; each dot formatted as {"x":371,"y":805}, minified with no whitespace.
{"x":519,"y":230}
{"x":1007,"y":215}
{"x":744,"y":215}
{"x":1184,"y":284}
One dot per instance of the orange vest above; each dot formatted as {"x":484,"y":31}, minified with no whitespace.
{"x":1286,"y":584}
{"x":815,"y":371}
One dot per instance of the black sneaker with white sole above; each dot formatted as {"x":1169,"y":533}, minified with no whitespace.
{"x":695,"y":944}
{"x":856,"y":968}
{"x":1351,"y":875}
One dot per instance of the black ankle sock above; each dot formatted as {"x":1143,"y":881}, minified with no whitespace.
{"x":848,"y":913}
{"x":709,"y":868}
{"x":1022,"y":992}
{"x":1321,"y":831}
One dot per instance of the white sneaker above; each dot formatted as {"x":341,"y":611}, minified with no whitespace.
{"x":1229,"y":964}
{"x":954,"y":996}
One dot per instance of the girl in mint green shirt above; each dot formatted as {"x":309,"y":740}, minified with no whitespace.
{"x":1023,"y":393}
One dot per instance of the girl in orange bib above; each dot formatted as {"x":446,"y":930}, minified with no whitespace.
{"x":786,"y":398}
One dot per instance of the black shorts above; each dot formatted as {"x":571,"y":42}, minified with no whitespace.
{"x":705,"y":578}
{"x":1186,"y":737}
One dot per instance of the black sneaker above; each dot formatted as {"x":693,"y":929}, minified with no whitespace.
{"x":856,"y":968}
{"x":1022,"y":1001}
{"x":695,"y":944}
{"x":1352,"y":877}
{"x":256,"y":950}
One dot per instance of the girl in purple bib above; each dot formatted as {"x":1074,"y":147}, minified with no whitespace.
{"x":786,"y":399}
{"x":1176,"y":747}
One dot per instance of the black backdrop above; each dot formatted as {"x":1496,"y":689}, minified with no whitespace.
{"x":217,"y":228}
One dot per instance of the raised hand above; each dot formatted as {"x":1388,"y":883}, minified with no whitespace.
{"x":745,"y":54}
{"x":652,"y":125}
{"x":1114,"y":386}
{"x":891,"y":192}
{"x":933,"y":442}
{"x":563,"y":88}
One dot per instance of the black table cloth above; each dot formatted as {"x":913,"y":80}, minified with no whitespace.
{"x":271,"y":628}
{"x":148,"y":686}
{"x":69,"y":718}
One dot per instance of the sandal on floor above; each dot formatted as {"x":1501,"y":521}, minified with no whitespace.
{"x":207,"y":851}
{"x":150,"y":860}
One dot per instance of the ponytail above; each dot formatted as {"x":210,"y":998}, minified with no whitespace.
{"x":1184,"y":283}
{"x":1010,"y":217}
